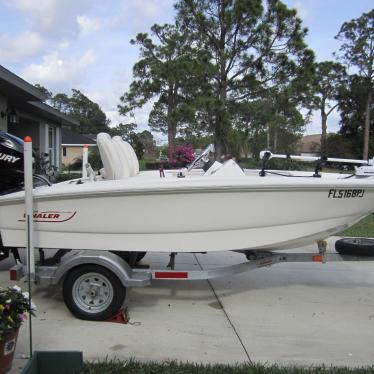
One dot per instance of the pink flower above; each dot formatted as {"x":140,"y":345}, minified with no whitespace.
{"x":184,"y":153}
{"x":22,"y":317}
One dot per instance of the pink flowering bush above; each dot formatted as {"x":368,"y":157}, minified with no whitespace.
{"x":184,"y":154}
{"x":14,"y":305}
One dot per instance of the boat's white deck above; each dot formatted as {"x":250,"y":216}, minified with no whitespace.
{"x":196,"y":180}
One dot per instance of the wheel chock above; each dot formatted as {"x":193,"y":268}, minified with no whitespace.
{"x":120,"y":317}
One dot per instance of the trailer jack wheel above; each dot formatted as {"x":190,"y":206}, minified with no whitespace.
{"x":92,"y":292}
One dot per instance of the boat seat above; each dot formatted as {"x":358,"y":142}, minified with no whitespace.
{"x":109,"y":157}
{"x":126,"y":168}
{"x":128,"y":155}
{"x":118,"y":157}
{"x":134,"y":157}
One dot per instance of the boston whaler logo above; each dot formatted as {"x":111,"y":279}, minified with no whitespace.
{"x":9,"y":158}
{"x":51,"y":216}
{"x":345,"y":194}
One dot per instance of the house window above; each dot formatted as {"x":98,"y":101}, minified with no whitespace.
{"x":64,"y":151}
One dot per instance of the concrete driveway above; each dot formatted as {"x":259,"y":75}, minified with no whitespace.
{"x":296,"y":313}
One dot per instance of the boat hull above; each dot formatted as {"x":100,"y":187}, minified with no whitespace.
{"x":195,"y":218}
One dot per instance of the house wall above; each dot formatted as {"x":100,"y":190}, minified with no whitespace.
{"x":43,"y":136}
{"x":39,"y":132}
{"x":58,"y":147}
{"x":3,"y":107}
{"x":34,"y":116}
{"x":26,"y":128}
{"x":50,"y":136}
{"x":34,"y":127}
{"x":72,"y":154}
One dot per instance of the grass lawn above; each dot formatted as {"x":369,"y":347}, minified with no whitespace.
{"x":364,"y":228}
{"x":135,"y":367}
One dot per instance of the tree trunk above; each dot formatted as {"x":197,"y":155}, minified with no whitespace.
{"x":275,"y":140}
{"x":365,"y":154}
{"x":253,"y":144}
{"x":219,"y":138}
{"x":219,"y":149}
{"x":170,"y":122}
{"x":268,"y":137}
{"x":221,"y":122}
{"x":171,"y":140}
{"x":220,"y":129}
{"x":324,"y":132}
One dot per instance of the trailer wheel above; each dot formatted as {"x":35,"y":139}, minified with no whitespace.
{"x":93,"y":293}
{"x":361,"y":247}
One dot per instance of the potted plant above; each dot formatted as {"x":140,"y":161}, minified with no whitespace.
{"x":14,"y":305}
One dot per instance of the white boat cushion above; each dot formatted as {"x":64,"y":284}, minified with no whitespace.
{"x":134,"y":157}
{"x":126,"y":164}
{"x":109,"y":156}
{"x":229,"y":169}
{"x":134,"y":160}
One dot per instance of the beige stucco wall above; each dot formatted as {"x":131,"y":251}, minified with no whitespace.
{"x":72,"y":154}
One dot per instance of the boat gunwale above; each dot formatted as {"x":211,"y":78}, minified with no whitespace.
{"x":172,"y":190}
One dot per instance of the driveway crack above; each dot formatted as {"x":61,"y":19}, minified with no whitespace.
{"x":226,"y":314}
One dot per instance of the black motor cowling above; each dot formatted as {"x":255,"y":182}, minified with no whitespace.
{"x":11,"y":163}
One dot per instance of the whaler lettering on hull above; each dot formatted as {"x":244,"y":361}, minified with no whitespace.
{"x":51,"y":216}
{"x":8,"y":158}
{"x":346,"y":194}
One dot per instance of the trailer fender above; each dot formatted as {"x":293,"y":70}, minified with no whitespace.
{"x":108,"y":260}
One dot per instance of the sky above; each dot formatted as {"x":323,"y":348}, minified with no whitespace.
{"x":85,"y":44}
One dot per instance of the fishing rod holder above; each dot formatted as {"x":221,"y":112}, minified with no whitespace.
{"x":318,"y":166}
{"x":266,"y":156}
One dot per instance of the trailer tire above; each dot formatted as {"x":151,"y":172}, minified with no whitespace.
{"x":93,"y":293}
{"x":360,"y":247}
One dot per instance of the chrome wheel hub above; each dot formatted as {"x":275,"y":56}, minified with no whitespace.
{"x":92,"y":292}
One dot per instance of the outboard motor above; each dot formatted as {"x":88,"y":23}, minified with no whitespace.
{"x":11,"y":163}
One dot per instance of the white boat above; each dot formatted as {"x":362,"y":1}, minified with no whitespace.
{"x":224,"y":208}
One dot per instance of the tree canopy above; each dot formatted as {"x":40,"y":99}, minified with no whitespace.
{"x":162,"y":74}
{"x":253,"y":48}
{"x":89,"y":114}
{"x":218,"y":55}
{"x":239,"y":73}
{"x":329,"y":79}
{"x":352,"y":101}
{"x":357,"y":51}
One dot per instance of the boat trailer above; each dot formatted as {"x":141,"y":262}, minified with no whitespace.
{"x":94,"y":282}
